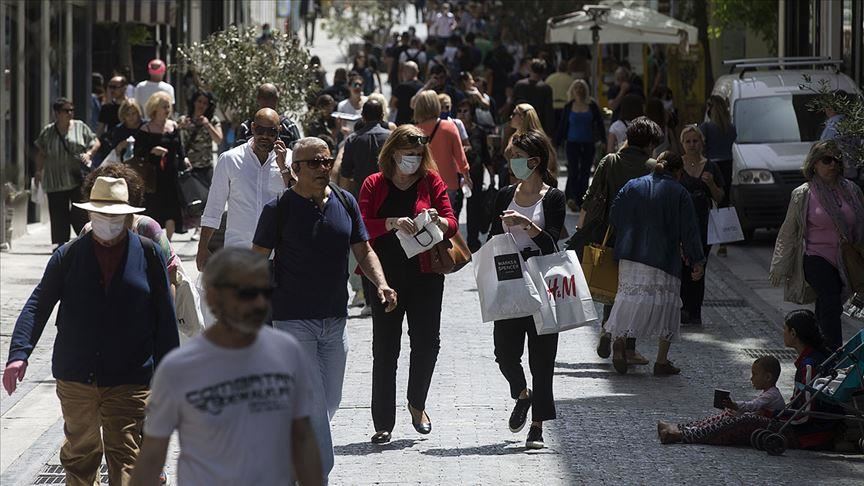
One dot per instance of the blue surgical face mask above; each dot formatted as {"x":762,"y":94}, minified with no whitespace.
{"x":444,"y":115}
{"x":520,"y":168}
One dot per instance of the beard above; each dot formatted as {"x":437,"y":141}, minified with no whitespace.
{"x":249,"y":323}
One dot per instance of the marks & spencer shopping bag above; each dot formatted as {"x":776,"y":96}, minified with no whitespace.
{"x":506,"y":290}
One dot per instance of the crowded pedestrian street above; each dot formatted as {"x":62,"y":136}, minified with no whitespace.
{"x":657,"y":278}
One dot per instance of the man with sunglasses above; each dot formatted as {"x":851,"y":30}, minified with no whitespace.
{"x":108,"y":113}
{"x":236,"y":388}
{"x":246,"y":178}
{"x":267,"y":96}
{"x":312,"y":227}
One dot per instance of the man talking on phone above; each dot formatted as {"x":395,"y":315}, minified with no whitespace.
{"x":246,"y":178}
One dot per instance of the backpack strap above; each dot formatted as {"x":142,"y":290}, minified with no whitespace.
{"x":155,"y":277}
{"x":340,"y":195}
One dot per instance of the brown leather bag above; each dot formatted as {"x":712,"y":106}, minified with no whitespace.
{"x":450,"y":255}
{"x":853,"y":260}
{"x":146,"y":171}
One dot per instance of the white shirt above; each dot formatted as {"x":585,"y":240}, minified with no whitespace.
{"x":345,"y":106}
{"x":145,"y":89}
{"x":233,"y":408}
{"x":442,"y":26}
{"x":246,"y":185}
{"x":535,"y":214}
{"x":770,"y":399}
{"x":619,"y":129}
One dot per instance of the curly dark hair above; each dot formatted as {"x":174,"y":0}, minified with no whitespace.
{"x":119,"y":171}
{"x":211,"y":107}
{"x":644,"y":133}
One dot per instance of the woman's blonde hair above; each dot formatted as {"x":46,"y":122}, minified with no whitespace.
{"x":129,"y":106}
{"x":381,"y":101}
{"x":819,"y":151}
{"x":530,"y":120}
{"x":578,"y":85}
{"x":689,"y":129}
{"x":426,"y":106}
{"x":157,"y":100}
{"x":399,"y":140}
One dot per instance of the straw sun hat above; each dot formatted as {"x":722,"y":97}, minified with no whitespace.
{"x":109,"y":196}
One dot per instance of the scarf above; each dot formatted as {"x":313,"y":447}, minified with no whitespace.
{"x":833,"y":198}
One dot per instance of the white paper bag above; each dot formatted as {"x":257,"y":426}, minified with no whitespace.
{"x":506,"y":290}
{"x":187,"y":302}
{"x":429,"y":235}
{"x":566,"y":299}
{"x":37,"y":193}
{"x":723,"y":226}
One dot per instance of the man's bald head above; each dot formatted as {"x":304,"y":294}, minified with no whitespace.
{"x":267,"y":117}
{"x":267,"y":96}
{"x":410,"y":70}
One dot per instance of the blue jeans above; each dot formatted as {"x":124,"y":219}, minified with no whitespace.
{"x":326,"y":345}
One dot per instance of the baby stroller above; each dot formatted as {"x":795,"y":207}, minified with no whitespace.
{"x":839,"y":381}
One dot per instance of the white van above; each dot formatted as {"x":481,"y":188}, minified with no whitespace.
{"x":775,"y":132}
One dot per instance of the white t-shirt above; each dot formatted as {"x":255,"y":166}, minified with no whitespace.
{"x":345,"y":106}
{"x":619,"y":129}
{"x":233,"y":408}
{"x":442,"y":26}
{"x":535,"y":214}
{"x":145,"y":89}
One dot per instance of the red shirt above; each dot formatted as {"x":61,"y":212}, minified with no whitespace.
{"x":109,"y":258}
{"x":431,"y":193}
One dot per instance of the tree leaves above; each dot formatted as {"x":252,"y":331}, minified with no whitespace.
{"x":233,"y":63}
{"x":850,"y":130}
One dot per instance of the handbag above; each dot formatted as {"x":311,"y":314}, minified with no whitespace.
{"x":724,"y":226}
{"x":450,"y":256}
{"x":193,"y":192}
{"x":853,"y":261}
{"x":564,"y":293}
{"x":83,"y":169}
{"x":601,"y":270}
{"x":145,"y":170}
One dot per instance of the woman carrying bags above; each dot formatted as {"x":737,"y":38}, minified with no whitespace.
{"x":533,"y":211}
{"x":407,"y":185}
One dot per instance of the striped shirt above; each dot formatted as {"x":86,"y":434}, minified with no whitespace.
{"x":61,"y":166}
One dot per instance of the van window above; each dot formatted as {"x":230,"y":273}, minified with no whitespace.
{"x":777,"y":119}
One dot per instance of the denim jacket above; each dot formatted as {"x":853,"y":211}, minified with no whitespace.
{"x":654,"y":222}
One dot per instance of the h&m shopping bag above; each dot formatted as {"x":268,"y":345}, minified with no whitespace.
{"x":187,"y":302}
{"x":601,"y":270}
{"x":506,"y":290}
{"x":427,"y":236}
{"x":723,"y":226}
{"x":566,"y":299}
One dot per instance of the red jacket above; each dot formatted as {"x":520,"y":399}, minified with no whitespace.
{"x":431,"y":193}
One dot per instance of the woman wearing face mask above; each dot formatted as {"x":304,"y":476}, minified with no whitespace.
{"x":532,"y":210}
{"x":407,"y":185}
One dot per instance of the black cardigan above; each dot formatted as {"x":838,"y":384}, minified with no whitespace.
{"x":554,"y":211}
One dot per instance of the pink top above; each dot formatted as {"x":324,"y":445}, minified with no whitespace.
{"x":446,"y":148}
{"x":822,"y":238}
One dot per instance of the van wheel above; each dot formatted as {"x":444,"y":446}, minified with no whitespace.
{"x":749,"y":233}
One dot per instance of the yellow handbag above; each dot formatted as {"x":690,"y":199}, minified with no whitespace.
{"x":601,"y":270}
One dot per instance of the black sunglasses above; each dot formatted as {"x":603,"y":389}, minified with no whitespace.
{"x":316,"y":163}
{"x":829,"y":160}
{"x":67,"y":110}
{"x":271,"y":131}
{"x":356,"y":85}
{"x":115,"y":86}
{"x":418,"y":139}
{"x":249,"y":293}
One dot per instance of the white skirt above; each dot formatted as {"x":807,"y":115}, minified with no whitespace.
{"x":648,"y":303}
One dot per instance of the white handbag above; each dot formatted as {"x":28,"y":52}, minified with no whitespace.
{"x":723,"y":226}
{"x":506,"y":290}
{"x":187,"y":302}
{"x":427,"y":236}
{"x":566,"y":298}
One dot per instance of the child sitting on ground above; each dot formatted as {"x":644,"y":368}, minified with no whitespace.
{"x":764,"y":374}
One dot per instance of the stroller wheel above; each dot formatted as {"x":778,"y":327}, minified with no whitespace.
{"x":754,"y":438}
{"x":758,"y":439}
{"x":775,"y":444}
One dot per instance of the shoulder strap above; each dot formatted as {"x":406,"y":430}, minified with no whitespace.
{"x":154,"y":275}
{"x":340,"y":195}
{"x":435,"y":130}
{"x":63,"y":138}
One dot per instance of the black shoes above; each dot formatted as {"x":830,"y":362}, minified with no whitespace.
{"x":382,"y":437}
{"x":535,"y":438}
{"x":604,"y":347}
{"x":420,"y":427}
{"x":520,"y":413}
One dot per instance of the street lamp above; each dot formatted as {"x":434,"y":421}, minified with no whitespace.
{"x":599,"y":15}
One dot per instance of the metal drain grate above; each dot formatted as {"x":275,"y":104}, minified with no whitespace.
{"x":737,"y":303}
{"x":779,"y":353}
{"x":54,"y":474}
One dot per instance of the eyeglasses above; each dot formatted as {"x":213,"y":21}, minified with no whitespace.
{"x":327,"y":162}
{"x":268,"y":131}
{"x":115,"y":86}
{"x":829,"y":160}
{"x":249,"y":293}
{"x":67,"y":110}
{"x":418,"y":139}
{"x":356,"y":85}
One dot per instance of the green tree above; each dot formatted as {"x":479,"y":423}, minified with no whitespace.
{"x":524,"y":21}
{"x":850,"y":130}
{"x":232,"y":64}
{"x":760,"y":16}
{"x":362,"y":18}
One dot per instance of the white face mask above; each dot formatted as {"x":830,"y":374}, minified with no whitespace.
{"x":408,"y":164}
{"x":106,"y":227}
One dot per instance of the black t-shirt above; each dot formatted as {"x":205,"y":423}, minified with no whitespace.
{"x":397,"y":204}
{"x":108,"y":115}
{"x":403,"y":93}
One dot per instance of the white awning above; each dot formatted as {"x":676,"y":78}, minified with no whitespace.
{"x":623,"y":25}
{"x":149,"y":12}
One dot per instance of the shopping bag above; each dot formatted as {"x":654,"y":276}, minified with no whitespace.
{"x":37,"y":193}
{"x":506,"y":290}
{"x":566,"y":301}
{"x":207,"y":317}
{"x":601,"y":270}
{"x":187,"y":302}
{"x":723,"y":226}
{"x":428,"y":235}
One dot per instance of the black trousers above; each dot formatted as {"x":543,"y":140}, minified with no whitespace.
{"x":825,"y":280}
{"x":725,"y":167}
{"x":63,"y":214}
{"x":420,"y":299}
{"x":474,"y":207}
{"x":509,"y":336}
{"x":580,"y":159}
{"x":693,"y":293}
